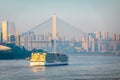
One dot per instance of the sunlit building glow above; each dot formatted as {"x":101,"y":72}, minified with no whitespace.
{"x":4,"y":30}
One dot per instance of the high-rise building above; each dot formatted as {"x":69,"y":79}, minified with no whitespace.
{"x":4,"y":30}
{"x":105,"y":35}
{"x":117,"y":37}
{"x":12,"y":28}
{"x":85,"y":44}
{"x":17,"y":39}
{"x":93,"y":44}
{"x":113,"y":36}
{"x":11,"y":38}
{"x":37,"y":39}
{"x":0,"y":35}
{"x":98,"y":36}
{"x":24,"y":40}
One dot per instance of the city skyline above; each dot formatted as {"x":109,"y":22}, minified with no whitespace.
{"x":87,"y":15}
{"x":87,"y":42}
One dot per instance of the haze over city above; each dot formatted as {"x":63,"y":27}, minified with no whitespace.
{"x":86,"y":15}
{"x":59,"y":39}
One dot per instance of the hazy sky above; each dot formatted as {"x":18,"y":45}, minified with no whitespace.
{"x":87,"y":15}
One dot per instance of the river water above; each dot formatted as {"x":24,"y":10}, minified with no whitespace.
{"x":79,"y":68}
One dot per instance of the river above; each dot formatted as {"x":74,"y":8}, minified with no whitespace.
{"x":79,"y":68}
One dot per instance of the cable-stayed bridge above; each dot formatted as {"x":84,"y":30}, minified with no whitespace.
{"x":36,"y":35}
{"x":62,"y":27}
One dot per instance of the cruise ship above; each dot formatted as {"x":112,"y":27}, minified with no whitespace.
{"x":48,"y":59}
{"x":52,"y":58}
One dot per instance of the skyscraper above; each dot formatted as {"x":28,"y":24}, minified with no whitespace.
{"x":12,"y":28}
{"x":117,"y":37}
{"x":0,"y":35}
{"x":105,"y":35}
{"x":17,"y":39}
{"x":4,"y":30}
{"x":113,"y":36}
{"x":11,"y":38}
{"x":98,"y":37}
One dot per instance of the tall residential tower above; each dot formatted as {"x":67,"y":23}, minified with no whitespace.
{"x":4,"y":30}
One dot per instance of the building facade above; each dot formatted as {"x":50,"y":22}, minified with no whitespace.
{"x":4,"y":30}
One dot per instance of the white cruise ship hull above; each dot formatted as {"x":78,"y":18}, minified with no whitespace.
{"x":47,"y":64}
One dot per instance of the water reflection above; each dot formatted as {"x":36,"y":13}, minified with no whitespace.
{"x":38,"y":68}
